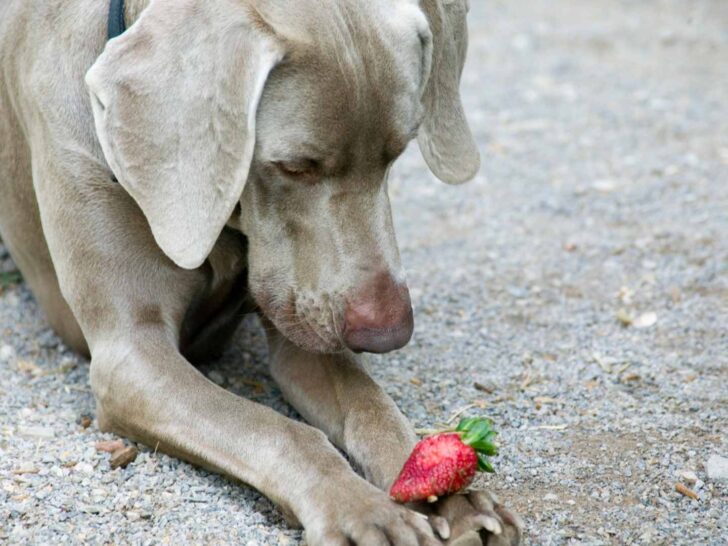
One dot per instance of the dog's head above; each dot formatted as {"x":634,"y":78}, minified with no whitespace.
{"x":282,"y":119}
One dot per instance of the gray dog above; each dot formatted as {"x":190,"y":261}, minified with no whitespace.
{"x":226,"y":156}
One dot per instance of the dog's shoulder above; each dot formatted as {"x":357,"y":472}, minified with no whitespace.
{"x":47,"y":46}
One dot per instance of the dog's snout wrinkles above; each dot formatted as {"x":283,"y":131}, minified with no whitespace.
{"x":378,"y":317}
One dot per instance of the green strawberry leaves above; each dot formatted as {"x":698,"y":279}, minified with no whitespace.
{"x":478,"y":433}
{"x":484,"y":465}
{"x":486,"y":448}
{"x":468,"y":423}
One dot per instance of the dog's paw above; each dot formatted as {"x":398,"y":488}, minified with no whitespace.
{"x":367,"y":518}
{"x":475,"y":518}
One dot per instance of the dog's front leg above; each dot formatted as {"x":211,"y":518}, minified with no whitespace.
{"x":335,"y":393}
{"x":146,"y":390}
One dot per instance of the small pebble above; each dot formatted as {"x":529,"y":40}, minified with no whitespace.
{"x":84,"y":468}
{"x":216,"y":377}
{"x":122,"y":457}
{"x":36,"y":432}
{"x":689,"y":477}
{"x":109,"y":446}
{"x":26,"y":468}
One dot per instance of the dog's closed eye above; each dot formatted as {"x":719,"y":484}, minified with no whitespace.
{"x":304,"y":169}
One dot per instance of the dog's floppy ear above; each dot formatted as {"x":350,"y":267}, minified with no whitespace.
{"x":174,"y":101}
{"x":445,"y":138}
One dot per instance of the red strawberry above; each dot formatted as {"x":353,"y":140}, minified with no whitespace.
{"x":445,"y":463}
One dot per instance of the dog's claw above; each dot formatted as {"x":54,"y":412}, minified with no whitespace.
{"x":490,"y":524}
{"x":475,"y":518}
{"x":441,"y":526}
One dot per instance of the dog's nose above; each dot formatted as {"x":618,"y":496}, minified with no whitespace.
{"x":378,"y":318}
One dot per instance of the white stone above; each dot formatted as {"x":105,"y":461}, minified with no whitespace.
{"x":26,"y":468}
{"x":7,"y":353}
{"x":85,"y":468}
{"x":36,"y":432}
{"x":604,"y":185}
{"x":689,"y":477}
{"x":717,"y":468}
{"x":551,"y":497}
{"x":645,"y":320}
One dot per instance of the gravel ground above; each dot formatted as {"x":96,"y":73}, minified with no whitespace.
{"x":581,"y":279}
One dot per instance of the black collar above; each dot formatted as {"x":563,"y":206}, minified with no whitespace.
{"x":116,"y":26}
